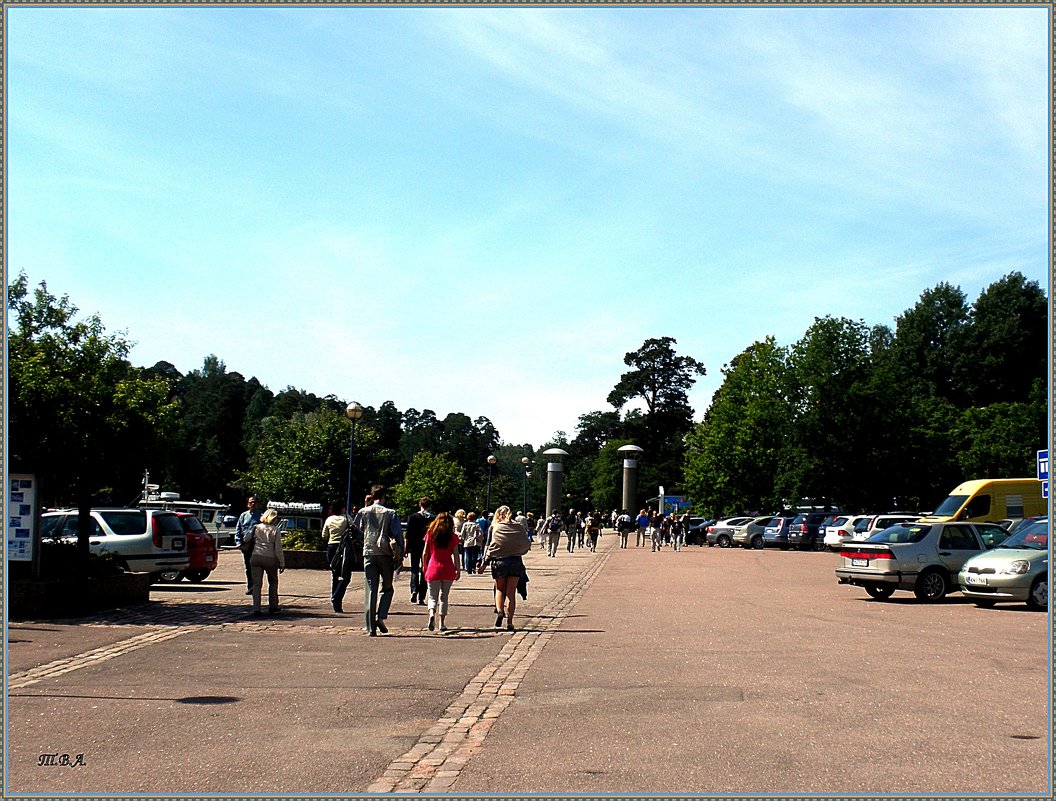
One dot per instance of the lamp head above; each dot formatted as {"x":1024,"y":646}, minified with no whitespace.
{"x":353,"y":411}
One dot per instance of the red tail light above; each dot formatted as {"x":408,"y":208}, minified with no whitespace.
{"x":867,"y":555}
{"x":155,"y":532}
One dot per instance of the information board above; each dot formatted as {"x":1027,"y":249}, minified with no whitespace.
{"x":21,"y":516}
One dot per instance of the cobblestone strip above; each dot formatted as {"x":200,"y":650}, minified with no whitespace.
{"x":437,"y":759}
{"x":60,"y":666}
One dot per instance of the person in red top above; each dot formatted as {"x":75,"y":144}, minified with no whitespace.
{"x":440,"y":566}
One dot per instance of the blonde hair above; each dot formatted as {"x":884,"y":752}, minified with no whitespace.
{"x":461,"y":513}
{"x":502,"y":514}
{"x":269,"y":517}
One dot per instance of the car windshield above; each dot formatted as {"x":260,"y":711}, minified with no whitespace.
{"x":950,"y":506}
{"x":192,"y":523}
{"x":1034,"y":537}
{"x":901,"y":533}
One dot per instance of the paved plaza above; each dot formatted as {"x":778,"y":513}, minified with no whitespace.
{"x":704,"y":671}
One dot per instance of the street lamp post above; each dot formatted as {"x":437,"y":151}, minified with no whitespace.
{"x":527,"y":472}
{"x":491,"y":464}
{"x":353,"y":412}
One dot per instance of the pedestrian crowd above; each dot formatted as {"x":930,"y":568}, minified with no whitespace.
{"x":441,"y":549}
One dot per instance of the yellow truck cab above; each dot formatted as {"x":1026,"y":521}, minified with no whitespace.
{"x":991,"y":499}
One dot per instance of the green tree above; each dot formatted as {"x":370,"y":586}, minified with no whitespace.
{"x":434,"y":476}
{"x":736,"y":453}
{"x":662,"y":380}
{"x":304,"y":457}
{"x":1006,"y":341}
{"x":1000,"y":440}
{"x":928,"y":341}
{"x":80,"y":416}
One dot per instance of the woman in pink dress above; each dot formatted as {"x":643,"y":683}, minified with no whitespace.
{"x":440,"y":565}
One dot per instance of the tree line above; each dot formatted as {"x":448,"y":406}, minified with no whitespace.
{"x":875,"y":419}
{"x":854,"y":415}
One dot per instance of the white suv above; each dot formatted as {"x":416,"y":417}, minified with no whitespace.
{"x":143,"y":540}
{"x":863,"y":530}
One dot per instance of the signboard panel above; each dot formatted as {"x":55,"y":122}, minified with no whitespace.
{"x":21,"y":516}
{"x":1043,"y":472}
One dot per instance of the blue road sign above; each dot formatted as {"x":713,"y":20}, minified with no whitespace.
{"x":1043,"y":472}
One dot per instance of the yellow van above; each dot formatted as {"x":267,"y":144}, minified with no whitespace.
{"x":991,"y":499}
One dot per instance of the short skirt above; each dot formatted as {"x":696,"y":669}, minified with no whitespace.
{"x":507,"y":566}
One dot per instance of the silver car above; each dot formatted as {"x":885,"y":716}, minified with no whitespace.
{"x":922,"y":557}
{"x":722,"y":532}
{"x":1016,"y":570}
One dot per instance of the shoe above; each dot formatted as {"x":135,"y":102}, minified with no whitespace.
{"x":443,"y":629}
{"x":421,"y":602}
{"x":249,"y":592}
{"x":509,"y":627}
{"x":499,"y":617}
{"x":274,"y":611}
{"x":257,"y":613}
{"x":337,"y":606}
{"x":432,"y":623}
{"x":373,"y":633}
{"x":382,"y":628}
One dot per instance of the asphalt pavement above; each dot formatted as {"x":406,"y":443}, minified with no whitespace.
{"x":704,"y":671}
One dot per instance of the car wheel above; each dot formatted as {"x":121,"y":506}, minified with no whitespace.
{"x":879,"y":591}
{"x":169,"y":576}
{"x":931,"y":586}
{"x":819,"y":544}
{"x":1038,"y":599}
{"x":724,"y":541}
{"x":758,"y":544}
{"x":197,"y":576}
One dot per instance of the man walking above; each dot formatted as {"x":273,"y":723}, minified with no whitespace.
{"x":382,"y":552}
{"x":416,"y":526}
{"x":643,"y":524}
{"x":243,"y":527}
{"x":624,"y":524}
{"x":552,"y":527}
{"x":572,"y":529}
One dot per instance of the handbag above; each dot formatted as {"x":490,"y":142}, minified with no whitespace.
{"x":246,"y":546}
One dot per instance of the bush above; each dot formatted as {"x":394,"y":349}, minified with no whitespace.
{"x":299,"y":539}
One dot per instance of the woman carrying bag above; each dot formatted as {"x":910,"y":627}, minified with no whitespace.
{"x":266,"y":557}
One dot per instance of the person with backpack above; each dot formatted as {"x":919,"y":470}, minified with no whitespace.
{"x":553,"y":527}
{"x":624,"y":524}
{"x":593,"y":530}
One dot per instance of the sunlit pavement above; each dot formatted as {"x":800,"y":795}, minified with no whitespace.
{"x":702,"y":671}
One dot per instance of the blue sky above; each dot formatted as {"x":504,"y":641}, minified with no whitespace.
{"x":481,"y":210}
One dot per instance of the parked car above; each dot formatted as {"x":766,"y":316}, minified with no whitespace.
{"x":841,"y":529}
{"x":864,"y":529}
{"x":776,"y":532}
{"x":722,"y":531}
{"x":1016,"y":570}
{"x":201,"y":551}
{"x":804,"y":532}
{"x":922,"y":557}
{"x":750,"y":535}
{"x":697,"y":533}
{"x":142,"y":540}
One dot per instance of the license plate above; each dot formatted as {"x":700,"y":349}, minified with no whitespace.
{"x":859,"y":563}
{"x":978,"y":580}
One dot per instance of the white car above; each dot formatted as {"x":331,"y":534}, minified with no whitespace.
{"x":142,"y":540}
{"x":842,"y":529}
{"x":864,"y":530}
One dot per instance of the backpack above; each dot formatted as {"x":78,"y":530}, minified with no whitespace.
{"x":554,"y":523}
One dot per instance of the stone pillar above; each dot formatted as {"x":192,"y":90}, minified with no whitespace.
{"x":630,"y":485}
{"x":555,"y":475}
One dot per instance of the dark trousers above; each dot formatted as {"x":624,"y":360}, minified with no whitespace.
{"x":340,"y":578}
{"x":472,"y":556}
{"x":249,"y":571}
{"x":418,"y":585}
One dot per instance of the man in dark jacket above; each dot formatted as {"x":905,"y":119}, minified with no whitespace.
{"x":416,"y":527}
